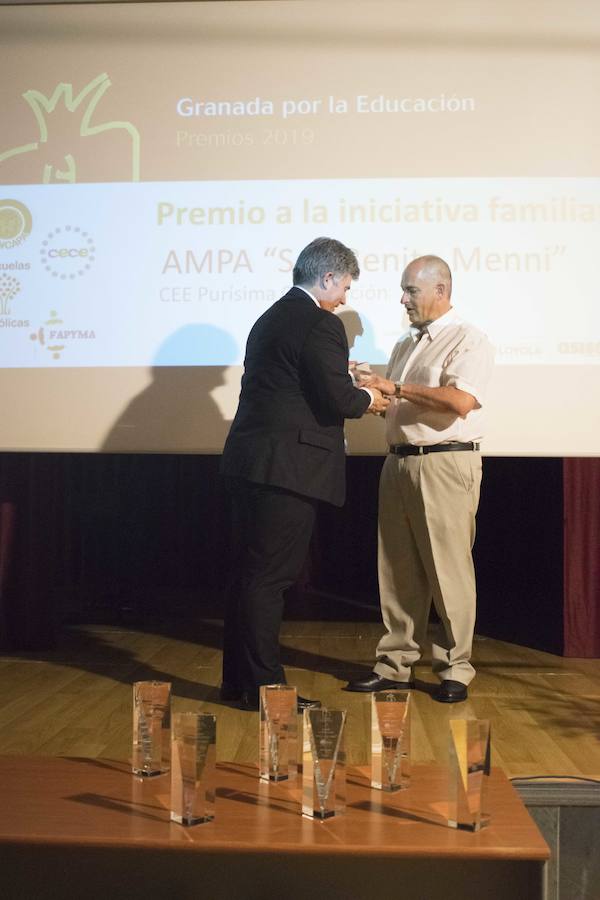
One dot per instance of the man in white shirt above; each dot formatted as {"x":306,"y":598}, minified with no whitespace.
{"x":429,"y":489}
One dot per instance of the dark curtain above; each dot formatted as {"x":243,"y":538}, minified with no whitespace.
{"x":519,"y":552}
{"x":114,"y":538}
{"x":28,"y":537}
{"x":582,"y":557}
{"x":91,"y":536}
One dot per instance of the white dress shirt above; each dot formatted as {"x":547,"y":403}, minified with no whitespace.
{"x":450,"y":353}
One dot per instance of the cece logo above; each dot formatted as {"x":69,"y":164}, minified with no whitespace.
{"x":64,"y":251}
{"x":67,"y":253}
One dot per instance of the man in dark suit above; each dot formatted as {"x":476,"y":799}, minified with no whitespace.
{"x":284,"y":453}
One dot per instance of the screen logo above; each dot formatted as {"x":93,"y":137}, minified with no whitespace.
{"x":44,"y":158}
{"x":9,"y":288}
{"x":55,"y":338}
{"x":15,"y":223}
{"x":67,"y":252}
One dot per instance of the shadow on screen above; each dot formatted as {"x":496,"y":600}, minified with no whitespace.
{"x":361,"y":338}
{"x":176,"y":411}
{"x":367,"y":431}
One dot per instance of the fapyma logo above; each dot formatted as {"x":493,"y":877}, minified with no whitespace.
{"x":54,"y":337}
{"x":15,"y":223}
{"x":67,"y":252}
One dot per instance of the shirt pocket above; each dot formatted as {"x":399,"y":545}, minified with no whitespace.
{"x":429,"y":376}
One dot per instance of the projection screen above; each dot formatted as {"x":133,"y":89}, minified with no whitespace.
{"x":162,"y":164}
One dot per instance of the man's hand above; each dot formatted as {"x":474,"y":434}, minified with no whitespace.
{"x":446,"y":399}
{"x":379,"y":404}
{"x":381,"y":384}
{"x":359,"y":371}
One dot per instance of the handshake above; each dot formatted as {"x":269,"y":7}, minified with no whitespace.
{"x":379,"y":387}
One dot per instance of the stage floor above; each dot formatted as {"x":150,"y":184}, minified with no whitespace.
{"x":91,"y":822}
{"x":76,"y":700}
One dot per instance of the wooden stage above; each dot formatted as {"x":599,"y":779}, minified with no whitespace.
{"x":88,"y":828}
{"x":76,"y":700}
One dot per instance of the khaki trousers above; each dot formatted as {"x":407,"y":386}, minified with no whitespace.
{"x":427,"y":507}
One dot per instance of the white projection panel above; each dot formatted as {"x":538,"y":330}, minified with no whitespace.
{"x":162,"y":165}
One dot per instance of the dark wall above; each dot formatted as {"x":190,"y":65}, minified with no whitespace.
{"x":518,"y":550}
{"x":103,"y":537}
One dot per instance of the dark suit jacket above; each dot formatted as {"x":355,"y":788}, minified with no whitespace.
{"x":296,"y":393}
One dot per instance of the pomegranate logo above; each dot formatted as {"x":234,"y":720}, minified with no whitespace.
{"x":69,"y":148}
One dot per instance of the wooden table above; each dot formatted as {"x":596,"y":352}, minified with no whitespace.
{"x":86,"y":828}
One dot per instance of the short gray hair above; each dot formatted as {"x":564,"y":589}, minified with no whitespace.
{"x":321,"y":256}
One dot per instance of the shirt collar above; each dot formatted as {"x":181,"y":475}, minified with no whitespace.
{"x":309,"y":294}
{"x":434,"y":327}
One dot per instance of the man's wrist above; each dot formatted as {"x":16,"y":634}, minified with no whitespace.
{"x":371,"y":395}
{"x":398,"y":389}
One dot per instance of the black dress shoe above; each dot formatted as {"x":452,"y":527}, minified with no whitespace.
{"x":375,"y":682}
{"x":228,"y":692}
{"x":250,"y":701}
{"x":450,"y":692}
{"x":305,"y":703}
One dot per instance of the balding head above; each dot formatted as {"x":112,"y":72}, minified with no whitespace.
{"x":426,"y":289}
{"x":434,"y":269}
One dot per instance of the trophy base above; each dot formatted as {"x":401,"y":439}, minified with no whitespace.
{"x":319,"y":814}
{"x":468,"y":826}
{"x":149,"y":773}
{"x":190,"y":820}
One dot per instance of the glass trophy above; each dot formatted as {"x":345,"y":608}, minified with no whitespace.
{"x":469,"y":771}
{"x":323,"y":763}
{"x":193,"y":768}
{"x":151,"y":727}
{"x":390,"y":740}
{"x":278,"y":734}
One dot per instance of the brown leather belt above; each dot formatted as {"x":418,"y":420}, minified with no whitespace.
{"x":411,"y":450}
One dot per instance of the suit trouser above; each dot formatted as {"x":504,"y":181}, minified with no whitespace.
{"x":271,"y":534}
{"x":427,"y":507}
